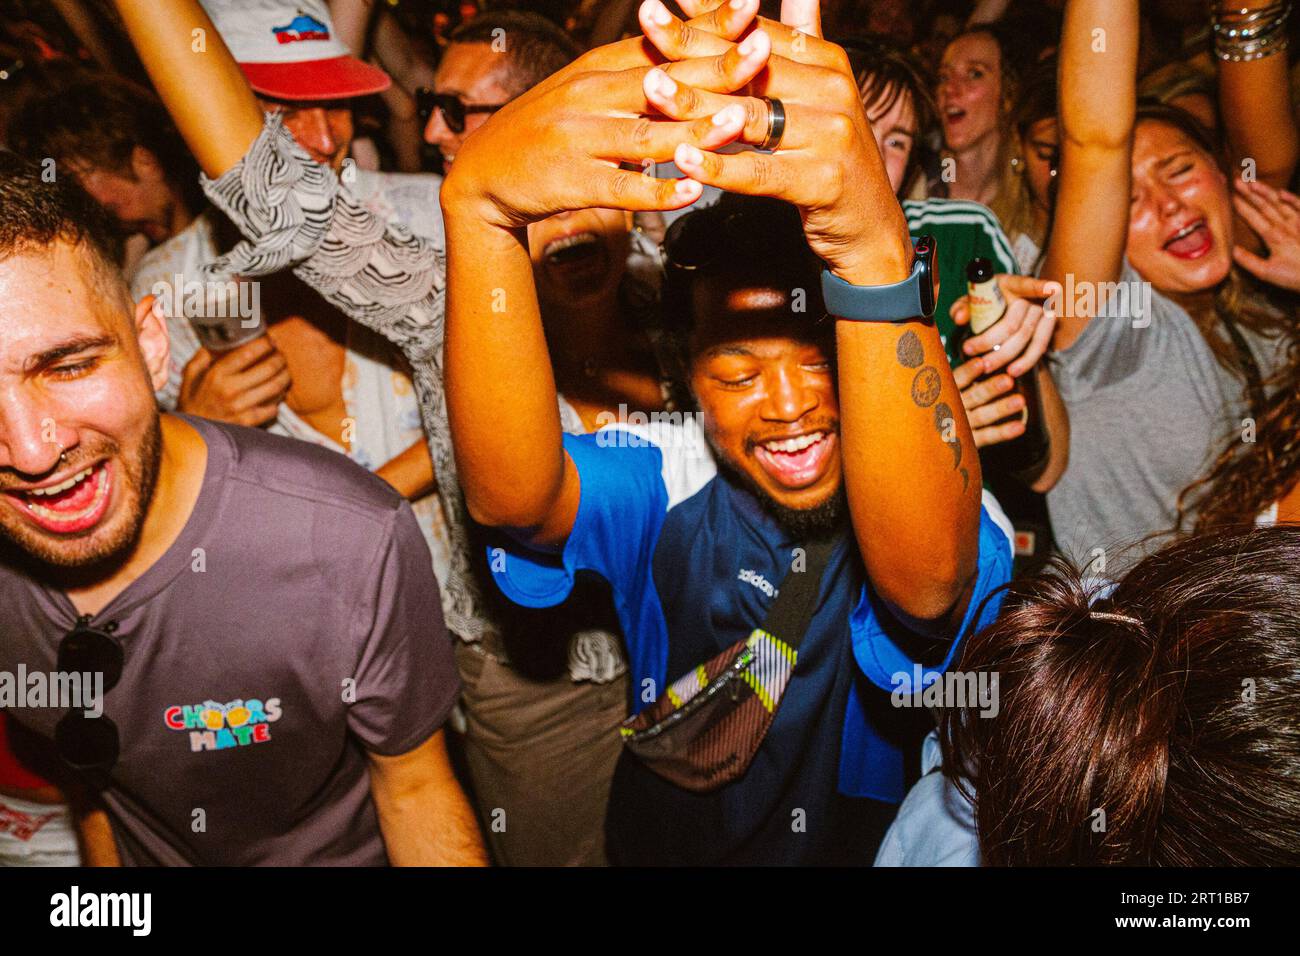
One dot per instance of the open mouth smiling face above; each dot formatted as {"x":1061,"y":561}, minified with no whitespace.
{"x":67,"y":506}
{"x":1180,"y":219}
{"x":795,"y":463}
{"x":765,"y":381}
{"x":79,"y":443}
{"x":578,"y":254}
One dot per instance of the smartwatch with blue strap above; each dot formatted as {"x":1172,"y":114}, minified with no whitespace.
{"x":904,"y":301}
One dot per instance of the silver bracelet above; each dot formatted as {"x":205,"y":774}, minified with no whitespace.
{"x":1245,"y":35}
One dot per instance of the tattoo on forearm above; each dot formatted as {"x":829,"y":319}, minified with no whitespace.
{"x":911,"y":353}
{"x":946,"y":426}
{"x":926,"y":386}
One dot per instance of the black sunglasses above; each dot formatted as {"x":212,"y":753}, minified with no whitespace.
{"x":89,"y":743}
{"x":453,"y":108}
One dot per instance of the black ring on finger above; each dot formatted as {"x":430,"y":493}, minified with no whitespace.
{"x":775,"y":123}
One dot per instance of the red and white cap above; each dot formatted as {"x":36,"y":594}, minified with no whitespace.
{"x":288,"y":50}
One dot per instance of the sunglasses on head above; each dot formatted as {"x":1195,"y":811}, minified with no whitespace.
{"x":89,"y":743}
{"x":453,"y":108}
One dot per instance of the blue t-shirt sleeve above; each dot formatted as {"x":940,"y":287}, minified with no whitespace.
{"x":879,"y":655}
{"x":621,"y":510}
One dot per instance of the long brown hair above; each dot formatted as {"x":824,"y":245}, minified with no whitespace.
{"x":1248,"y":477}
{"x":1159,"y":726}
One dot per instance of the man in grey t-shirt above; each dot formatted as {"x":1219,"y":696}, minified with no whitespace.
{"x":284,"y":668}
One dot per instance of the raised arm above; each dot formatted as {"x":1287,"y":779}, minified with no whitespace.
{"x":555,"y":148}
{"x":501,"y":395}
{"x":1097,"y":81}
{"x":88,"y":29}
{"x":918,"y":533}
{"x":196,"y":77}
{"x":353,"y":21}
{"x":1255,"y":102}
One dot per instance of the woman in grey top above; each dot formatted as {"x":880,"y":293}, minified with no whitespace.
{"x":1163,"y":346}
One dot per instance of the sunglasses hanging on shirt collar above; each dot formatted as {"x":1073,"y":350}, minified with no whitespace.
{"x":90,"y":744}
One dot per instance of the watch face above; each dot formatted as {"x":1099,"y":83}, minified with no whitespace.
{"x":926,"y":250}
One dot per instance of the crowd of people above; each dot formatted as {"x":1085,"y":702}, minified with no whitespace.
{"x":697,"y":433}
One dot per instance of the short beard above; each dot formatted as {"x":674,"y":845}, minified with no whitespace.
{"x":820,"y":521}
{"x":139,"y":479}
{"x":810,"y":524}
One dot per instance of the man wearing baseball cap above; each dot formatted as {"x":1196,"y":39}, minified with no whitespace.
{"x":288,"y":51}
{"x":315,"y":375}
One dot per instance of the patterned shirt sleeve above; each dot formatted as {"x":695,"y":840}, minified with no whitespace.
{"x":294,"y":213}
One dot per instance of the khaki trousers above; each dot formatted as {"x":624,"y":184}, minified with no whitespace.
{"x":541,"y":756}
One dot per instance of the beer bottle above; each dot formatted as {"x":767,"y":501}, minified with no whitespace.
{"x":1027,"y":453}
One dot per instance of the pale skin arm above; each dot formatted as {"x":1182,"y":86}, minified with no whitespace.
{"x":403,"y":129}
{"x":410,"y":472}
{"x":1056,"y":422}
{"x":1255,"y":106}
{"x":1097,"y":104}
{"x":409,"y":72}
{"x":352,"y":23}
{"x":395,"y":53}
{"x":204,"y":92}
{"x":423,"y":813}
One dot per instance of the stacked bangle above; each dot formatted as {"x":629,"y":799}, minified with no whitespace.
{"x":1242,"y":34}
